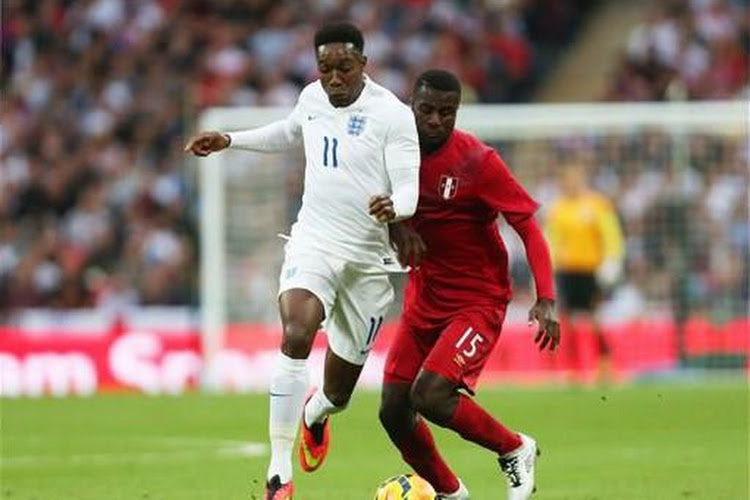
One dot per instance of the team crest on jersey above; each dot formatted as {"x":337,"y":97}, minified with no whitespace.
{"x":356,"y":125}
{"x":448,"y":187}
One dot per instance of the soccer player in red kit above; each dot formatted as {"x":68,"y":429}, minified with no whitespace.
{"x":457,"y":295}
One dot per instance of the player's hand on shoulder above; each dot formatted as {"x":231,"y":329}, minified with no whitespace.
{"x":407,"y":243}
{"x":381,"y":207}
{"x":205,"y":143}
{"x":548,"y":333}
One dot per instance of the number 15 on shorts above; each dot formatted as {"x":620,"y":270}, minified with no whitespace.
{"x":469,"y":342}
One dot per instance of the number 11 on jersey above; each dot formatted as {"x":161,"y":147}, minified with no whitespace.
{"x":331,"y":144}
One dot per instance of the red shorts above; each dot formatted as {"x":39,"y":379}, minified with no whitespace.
{"x":456,"y":349}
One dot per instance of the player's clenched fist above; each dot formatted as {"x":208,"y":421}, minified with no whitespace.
{"x":206,"y":143}
{"x":381,"y":207}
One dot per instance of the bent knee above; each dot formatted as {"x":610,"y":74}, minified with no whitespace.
{"x":396,"y":412}
{"x":434,"y":397}
{"x":422,"y":400}
{"x":392,"y":415}
{"x":388,"y":416}
{"x":297,"y":339}
{"x":397,"y":420}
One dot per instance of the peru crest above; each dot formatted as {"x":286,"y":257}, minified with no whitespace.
{"x":448,"y":187}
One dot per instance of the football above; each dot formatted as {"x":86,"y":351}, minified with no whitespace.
{"x":405,"y":487}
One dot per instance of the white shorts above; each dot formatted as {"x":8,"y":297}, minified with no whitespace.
{"x":356,"y":298}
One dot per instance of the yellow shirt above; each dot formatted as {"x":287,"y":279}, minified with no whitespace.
{"x":583,"y":232}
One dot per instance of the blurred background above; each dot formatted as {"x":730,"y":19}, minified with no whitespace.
{"x":99,"y":208}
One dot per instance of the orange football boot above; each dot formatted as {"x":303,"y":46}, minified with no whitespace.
{"x":313,"y":443}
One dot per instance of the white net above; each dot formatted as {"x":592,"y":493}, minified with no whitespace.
{"x":259,"y":205}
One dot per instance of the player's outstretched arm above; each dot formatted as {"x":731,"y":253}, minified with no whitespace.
{"x":502,"y":192}
{"x":537,"y":253}
{"x":277,"y":136}
{"x":205,"y":143}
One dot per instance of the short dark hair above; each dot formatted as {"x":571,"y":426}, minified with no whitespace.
{"x":341,"y":32}
{"x":438,"y":79}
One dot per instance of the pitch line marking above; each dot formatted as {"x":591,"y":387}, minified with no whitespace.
{"x":180,"y":450}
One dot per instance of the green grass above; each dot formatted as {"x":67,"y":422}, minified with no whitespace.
{"x":643,"y":442}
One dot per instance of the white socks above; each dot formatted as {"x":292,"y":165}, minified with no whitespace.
{"x":288,"y":388}
{"x":318,"y":408}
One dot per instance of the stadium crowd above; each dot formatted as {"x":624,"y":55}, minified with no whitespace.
{"x":98,"y":95}
{"x":97,"y":208}
{"x":700,"y":45}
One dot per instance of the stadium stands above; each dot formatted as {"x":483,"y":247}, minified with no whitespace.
{"x":702,"y":45}
{"x":98,"y":95}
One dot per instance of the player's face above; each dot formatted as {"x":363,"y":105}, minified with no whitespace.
{"x":340,"y":69}
{"x":435,"y":112}
{"x":573,"y":180}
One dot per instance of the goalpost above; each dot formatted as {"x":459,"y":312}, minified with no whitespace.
{"x":246,"y":199}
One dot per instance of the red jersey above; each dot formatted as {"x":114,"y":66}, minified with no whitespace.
{"x":464,"y":185}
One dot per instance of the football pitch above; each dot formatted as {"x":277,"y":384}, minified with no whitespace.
{"x":648,"y":441}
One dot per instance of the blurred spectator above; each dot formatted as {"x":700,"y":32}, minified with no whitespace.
{"x":702,"y":44}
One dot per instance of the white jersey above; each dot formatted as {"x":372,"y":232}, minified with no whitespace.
{"x":352,"y":153}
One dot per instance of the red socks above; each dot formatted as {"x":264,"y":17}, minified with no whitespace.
{"x":418,"y":450}
{"x":474,"y":424}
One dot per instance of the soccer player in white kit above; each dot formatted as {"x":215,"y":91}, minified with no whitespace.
{"x":361,"y":147}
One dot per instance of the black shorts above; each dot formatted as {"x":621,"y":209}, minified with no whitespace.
{"x":578,"y":291}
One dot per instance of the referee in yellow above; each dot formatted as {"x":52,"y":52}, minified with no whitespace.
{"x":588,"y":251}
